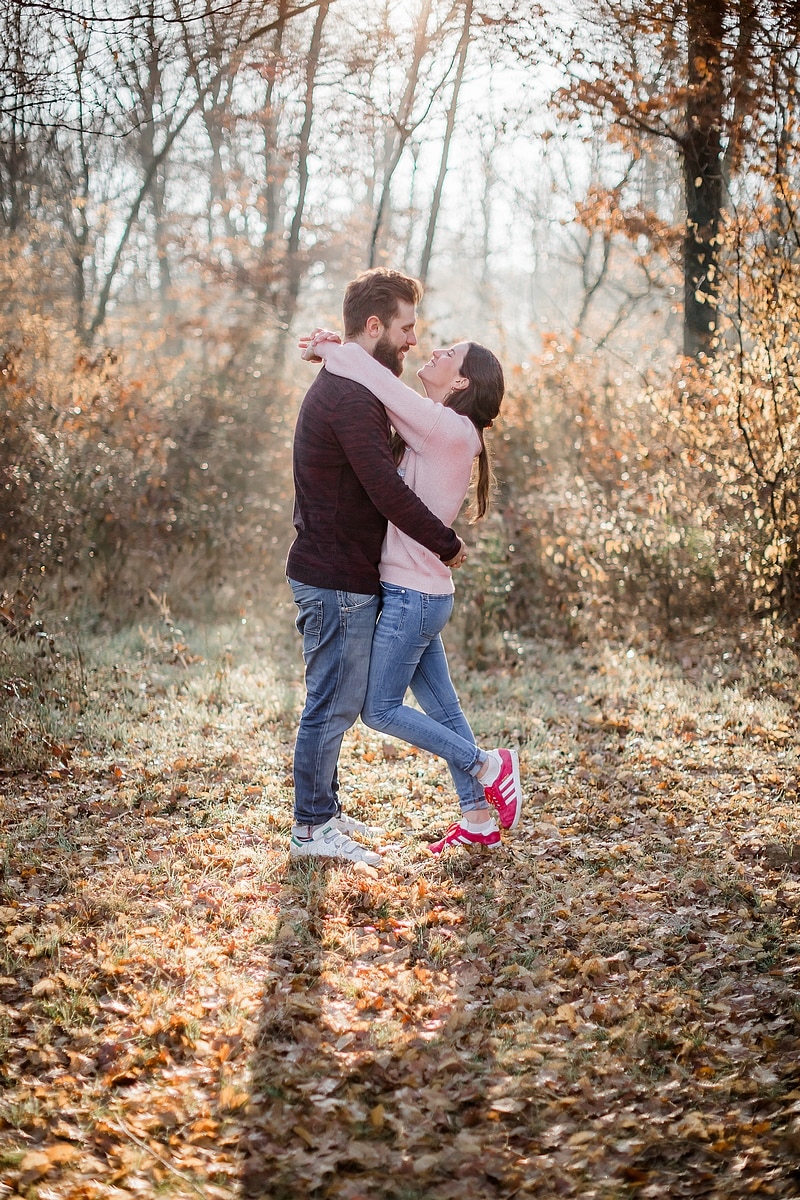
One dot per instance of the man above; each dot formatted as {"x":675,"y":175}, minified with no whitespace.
{"x":346,"y":490}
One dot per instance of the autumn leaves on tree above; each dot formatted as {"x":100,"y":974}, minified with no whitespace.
{"x":608,"y":191}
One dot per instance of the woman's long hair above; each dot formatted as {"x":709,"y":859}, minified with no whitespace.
{"x":480,"y":401}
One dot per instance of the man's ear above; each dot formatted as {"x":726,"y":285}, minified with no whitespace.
{"x":374,"y":327}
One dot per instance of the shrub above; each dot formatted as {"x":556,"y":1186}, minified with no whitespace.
{"x":115,"y":481}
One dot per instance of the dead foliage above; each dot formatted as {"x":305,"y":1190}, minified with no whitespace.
{"x":606,"y":1007}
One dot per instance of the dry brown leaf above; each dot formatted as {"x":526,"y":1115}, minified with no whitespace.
{"x":19,"y":934}
{"x":62,"y":1152}
{"x":36,"y":1162}
{"x":425,"y":1163}
{"x":366,"y":869}
{"x":366,"y":1154}
{"x":505,"y":1002}
{"x":44,"y":987}
{"x":581,"y":1138}
{"x":568,"y":1015}
{"x":304,"y":1135}
{"x":595,"y":967}
{"x":507,"y":1104}
{"x":231,"y":1097}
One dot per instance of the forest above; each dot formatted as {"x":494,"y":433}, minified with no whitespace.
{"x":606,"y":194}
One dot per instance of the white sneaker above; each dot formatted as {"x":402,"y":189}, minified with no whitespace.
{"x":329,"y":842}
{"x":350,"y":825}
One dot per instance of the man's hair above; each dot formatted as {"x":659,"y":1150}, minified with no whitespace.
{"x":377,"y":293}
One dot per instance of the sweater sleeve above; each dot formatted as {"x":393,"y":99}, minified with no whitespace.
{"x":413,"y":416}
{"x":361,"y":427}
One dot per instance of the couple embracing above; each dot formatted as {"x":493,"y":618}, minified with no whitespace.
{"x":370,"y":567}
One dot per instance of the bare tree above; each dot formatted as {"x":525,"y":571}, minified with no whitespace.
{"x":409,"y":115}
{"x":225,"y":66}
{"x":452,"y":109}
{"x":293,"y":256}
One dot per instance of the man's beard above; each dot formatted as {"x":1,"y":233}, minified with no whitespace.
{"x":388,"y":355}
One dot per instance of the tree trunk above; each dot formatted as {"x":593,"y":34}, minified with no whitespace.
{"x":78,"y":213}
{"x":742,"y":87}
{"x":463,"y":49}
{"x":294,"y":269}
{"x":272,"y":165}
{"x":79,"y":227}
{"x":702,"y":170}
{"x":404,"y":127}
{"x":218,"y":176}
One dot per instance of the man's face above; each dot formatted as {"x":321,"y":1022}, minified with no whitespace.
{"x":397,"y":338}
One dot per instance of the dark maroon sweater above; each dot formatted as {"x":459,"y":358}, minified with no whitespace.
{"x":347,"y":489}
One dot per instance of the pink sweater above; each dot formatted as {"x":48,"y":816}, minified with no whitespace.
{"x":442,"y":445}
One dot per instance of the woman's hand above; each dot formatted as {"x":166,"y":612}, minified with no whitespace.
{"x":309,"y":343}
{"x":459,"y":559}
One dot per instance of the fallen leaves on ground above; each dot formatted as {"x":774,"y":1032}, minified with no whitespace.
{"x":607,"y":1006}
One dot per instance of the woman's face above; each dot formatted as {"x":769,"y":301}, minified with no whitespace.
{"x":442,"y":370}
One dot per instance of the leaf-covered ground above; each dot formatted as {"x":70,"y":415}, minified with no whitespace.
{"x":606,"y":1007}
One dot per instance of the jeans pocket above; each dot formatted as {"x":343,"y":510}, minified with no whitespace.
{"x":353,"y":600}
{"x":434,"y":615}
{"x":309,"y":624}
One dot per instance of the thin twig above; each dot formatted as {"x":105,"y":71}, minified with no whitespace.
{"x":166,"y":1165}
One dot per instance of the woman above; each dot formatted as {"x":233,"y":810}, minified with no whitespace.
{"x":440,"y":435}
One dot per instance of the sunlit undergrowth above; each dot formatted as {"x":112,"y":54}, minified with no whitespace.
{"x":606,"y":1007}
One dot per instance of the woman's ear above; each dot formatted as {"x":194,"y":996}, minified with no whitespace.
{"x":459,"y":383}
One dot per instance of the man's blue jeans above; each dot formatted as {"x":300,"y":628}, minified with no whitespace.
{"x":337,"y":629}
{"x":407,"y":652}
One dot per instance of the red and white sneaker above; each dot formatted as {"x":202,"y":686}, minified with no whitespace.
{"x":505,"y":792}
{"x":464,"y":833}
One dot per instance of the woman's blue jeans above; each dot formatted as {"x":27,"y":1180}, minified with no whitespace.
{"x":337,"y":629}
{"x":407,"y":652}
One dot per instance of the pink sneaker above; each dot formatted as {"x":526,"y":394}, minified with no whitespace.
{"x":462,"y":833}
{"x":505,"y":794}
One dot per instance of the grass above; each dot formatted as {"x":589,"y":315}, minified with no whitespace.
{"x":603,"y":1008}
